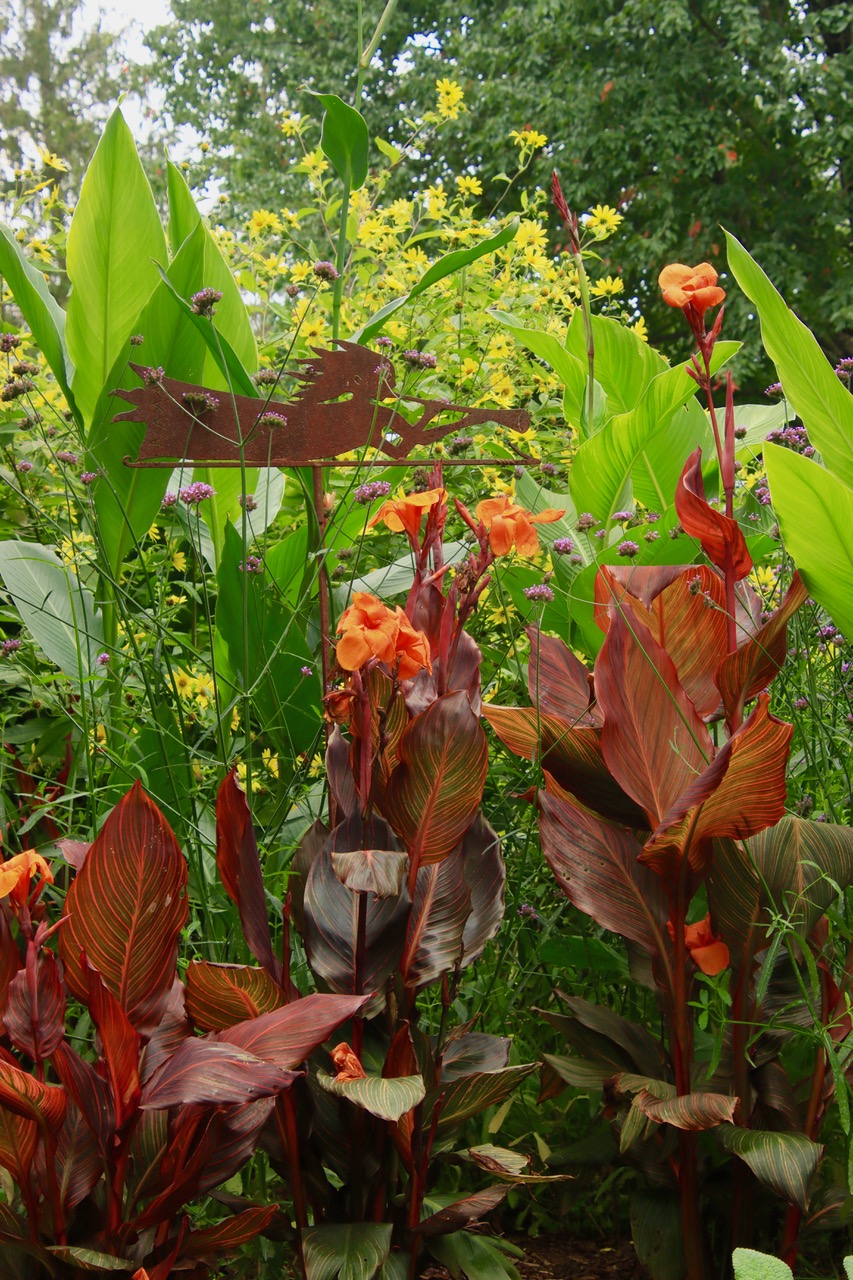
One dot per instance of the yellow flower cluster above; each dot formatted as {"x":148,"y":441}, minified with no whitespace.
{"x":450,"y":99}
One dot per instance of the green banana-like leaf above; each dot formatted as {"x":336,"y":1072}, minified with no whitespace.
{"x":815,"y":512}
{"x":784,"y":1162}
{"x":56,"y":609}
{"x":387,"y":1099}
{"x":42,"y":314}
{"x":807,"y":377}
{"x":113,"y":241}
{"x":344,"y":140}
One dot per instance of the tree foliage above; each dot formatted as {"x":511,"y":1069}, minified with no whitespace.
{"x":687,"y":114}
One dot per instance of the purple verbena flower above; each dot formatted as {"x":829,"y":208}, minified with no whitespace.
{"x":8,"y":343}
{"x":252,"y":565}
{"x":326,"y":271}
{"x":88,"y":477}
{"x":563,"y":546}
{"x":65,"y":455}
{"x":248,"y":501}
{"x":168,"y":500}
{"x":151,"y":376}
{"x":628,"y":548}
{"x":586,"y":521}
{"x":801,"y":703}
{"x":539,"y":591}
{"x":549,"y":469}
{"x":199,"y":402}
{"x":619,"y":517}
{"x":23,"y":466}
{"x":373,"y":489}
{"x":204,"y":302}
{"x":193,"y":494}
{"x":102,"y":660}
{"x":271,"y":420}
{"x":419,"y":359}
{"x":137,"y":340}
{"x":9,"y":646}
{"x":306,"y":671}
{"x":774,"y":391}
{"x":385,"y":342}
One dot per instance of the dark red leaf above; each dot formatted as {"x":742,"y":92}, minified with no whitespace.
{"x":91,"y":1093}
{"x":228,"y":1235}
{"x":690,"y":623}
{"x":692,"y":1111}
{"x":741,"y":793}
{"x":173,"y":1028}
{"x":462,"y":1212}
{"x":558,"y":682}
{"x":596,"y":867}
{"x":120,"y":1045}
{"x":218,"y":995}
{"x":26,"y":1107}
{"x":79,"y":1163}
{"x":741,"y":675}
{"x":474,"y":1052}
{"x":339,"y":773}
{"x":436,"y":923}
{"x":572,"y":755}
{"x":434,"y":792}
{"x":35,"y":1006}
{"x":10,"y":960}
{"x":74,"y":852}
{"x":721,"y":538}
{"x":287,"y":1036}
{"x":126,"y":909}
{"x":485,"y":872}
{"x":210,"y":1072}
{"x":330,"y":913}
{"x":239,"y":868}
{"x":653,"y":740}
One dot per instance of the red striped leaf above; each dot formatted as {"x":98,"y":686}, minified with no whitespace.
{"x":239,"y":866}
{"x":91,"y":1093}
{"x":205,"y":1071}
{"x":596,"y":867}
{"x":721,"y":537}
{"x":692,"y":1111}
{"x":571,"y":755}
{"x":738,"y":795}
{"x":558,"y":682}
{"x":173,"y":1028}
{"x":741,"y":675}
{"x":79,"y":1164}
{"x":120,"y":1045}
{"x":458,"y":1215}
{"x":440,"y":909}
{"x":126,"y":909}
{"x":381,"y":872}
{"x":25,"y":1107}
{"x":287,"y":1036}
{"x":35,"y":1006}
{"x":653,"y":740}
{"x":485,"y":872}
{"x":218,"y":995}
{"x":225,"y":1236}
{"x":433,"y":793}
{"x":10,"y":961}
{"x":799,"y":864}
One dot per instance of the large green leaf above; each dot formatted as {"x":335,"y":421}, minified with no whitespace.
{"x":656,"y":1232}
{"x":601,"y":475}
{"x":477,"y":1257}
{"x":354,"y":1251}
{"x":468,"y":1096}
{"x":568,"y":367}
{"x":803,"y":866}
{"x":784,"y":1162}
{"x":387,"y":1099}
{"x":623,"y":364}
{"x":344,"y":140}
{"x":55,"y":607}
{"x":125,"y":910}
{"x":807,"y":377}
{"x":815,"y":513}
{"x":434,"y":791}
{"x":114,"y":239}
{"x":445,"y":266}
{"x":42,"y":314}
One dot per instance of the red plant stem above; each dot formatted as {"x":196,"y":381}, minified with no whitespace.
{"x":794,"y":1214}
{"x":682,"y":1047}
{"x":741,"y":1019}
{"x":360,"y":956}
{"x":285,"y":1119}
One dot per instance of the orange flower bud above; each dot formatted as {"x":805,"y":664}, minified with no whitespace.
{"x":691,"y":286}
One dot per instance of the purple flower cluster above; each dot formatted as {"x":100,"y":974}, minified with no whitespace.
{"x":193,"y":494}
{"x":774,"y":391}
{"x":459,"y":444}
{"x":8,"y":343}
{"x":266,"y":377}
{"x":800,"y":704}
{"x":419,"y":359}
{"x":586,"y":521}
{"x":271,"y":420}
{"x":102,"y":660}
{"x":169,"y":500}
{"x":762,"y":494}
{"x":366,"y":493}
{"x":385,"y":342}
{"x":792,"y":437}
{"x":152,"y":377}
{"x":326,"y":271}
{"x":88,"y":477}
{"x":199,"y":402}
{"x":529,"y":913}
{"x":549,"y":469}
{"x":628,"y":548}
{"x":621,"y":517}
{"x":563,"y":546}
{"x":652,"y":517}
{"x":248,"y":501}
{"x":137,"y":340}
{"x":539,"y":591}
{"x":66,"y":456}
{"x":252,"y":565}
{"x":9,"y":646}
{"x":14,"y":388}
{"x":651,"y":536}
{"x":204,"y":302}
{"x":23,"y":466}
{"x":306,"y":671}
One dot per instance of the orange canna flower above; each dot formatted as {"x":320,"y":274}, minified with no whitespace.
{"x":691,"y":286}
{"x":371,"y":630}
{"x":511,"y":526}
{"x":412,"y":648}
{"x":15,"y":875}
{"x":708,"y":953}
{"x":348,"y":1065}
{"x":405,"y":514}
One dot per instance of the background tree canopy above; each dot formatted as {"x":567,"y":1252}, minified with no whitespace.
{"x":687,"y":114}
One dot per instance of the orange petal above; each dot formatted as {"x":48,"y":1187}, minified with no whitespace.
{"x":526,"y":537}
{"x":490,"y":508}
{"x":712,"y":959}
{"x":352,"y":651}
{"x":674,"y":275}
{"x":548,"y":516}
{"x":501,"y":536}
